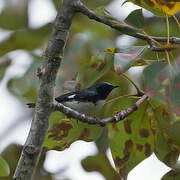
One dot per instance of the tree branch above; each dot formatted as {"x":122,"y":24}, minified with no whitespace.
{"x":70,"y":113}
{"x":126,"y":29}
{"x":43,"y":109}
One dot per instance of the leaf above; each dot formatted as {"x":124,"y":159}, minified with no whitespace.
{"x":28,"y":39}
{"x":3,"y":67}
{"x":26,"y":86}
{"x":167,"y":143}
{"x":135,"y":19}
{"x":162,"y":82}
{"x":127,"y":57}
{"x":169,"y":7}
{"x":102,"y":11}
{"x":159,"y":8}
{"x":148,"y":4}
{"x":57,"y":3}
{"x":94,"y":69}
{"x":5,"y":171}
{"x":64,"y":132}
{"x":131,"y":140}
{"x":101,"y":164}
{"x":172,"y":175}
{"x":12,"y":154}
{"x":14,"y":15}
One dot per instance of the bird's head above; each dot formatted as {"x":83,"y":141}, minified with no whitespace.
{"x":104,"y":88}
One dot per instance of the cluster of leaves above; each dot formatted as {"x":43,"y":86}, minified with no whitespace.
{"x":153,"y":128}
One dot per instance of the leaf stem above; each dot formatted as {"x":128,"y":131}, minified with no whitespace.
{"x":167,"y":25}
{"x":149,"y":37}
{"x":175,"y":18}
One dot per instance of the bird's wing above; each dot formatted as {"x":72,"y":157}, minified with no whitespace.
{"x":65,"y":97}
{"x":86,"y":95}
{"x":82,"y":95}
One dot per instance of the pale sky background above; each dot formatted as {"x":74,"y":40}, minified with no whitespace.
{"x":13,"y":111}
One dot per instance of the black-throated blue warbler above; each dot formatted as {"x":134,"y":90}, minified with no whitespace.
{"x":87,"y":100}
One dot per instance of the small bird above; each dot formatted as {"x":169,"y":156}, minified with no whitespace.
{"x":87,"y":100}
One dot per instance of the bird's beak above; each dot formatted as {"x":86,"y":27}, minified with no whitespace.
{"x":115,"y":86}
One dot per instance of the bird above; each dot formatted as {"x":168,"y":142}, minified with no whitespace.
{"x":89,"y":100}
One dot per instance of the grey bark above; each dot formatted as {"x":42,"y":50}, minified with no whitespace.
{"x":47,"y":76}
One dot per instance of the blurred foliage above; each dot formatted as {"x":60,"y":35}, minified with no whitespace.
{"x":27,"y":39}
{"x":101,"y":164}
{"x":171,"y":175}
{"x":3,"y":66}
{"x":14,"y":15}
{"x":92,"y":56}
{"x":12,"y":154}
{"x":5,"y":170}
{"x":163,"y":83}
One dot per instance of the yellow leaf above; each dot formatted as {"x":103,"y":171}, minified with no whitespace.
{"x":169,"y":7}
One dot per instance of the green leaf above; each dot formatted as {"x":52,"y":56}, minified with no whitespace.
{"x":12,"y":154}
{"x":136,"y":19}
{"x":101,"y":164}
{"x":14,"y":15}
{"x":167,"y":143}
{"x":96,"y":3}
{"x":28,"y":39}
{"x":95,"y":68}
{"x":64,"y":132}
{"x":26,"y":86}
{"x":104,"y":13}
{"x":3,"y":67}
{"x":148,"y":4}
{"x":5,"y":171}
{"x":57,"y":3}
{"x":172,"y":175}
{"x":131,"y":140}
{"x":162,"y":82}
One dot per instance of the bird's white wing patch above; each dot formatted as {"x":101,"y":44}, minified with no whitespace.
{"x":71,"y":97}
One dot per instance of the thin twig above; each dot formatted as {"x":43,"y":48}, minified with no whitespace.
{"x":150,"y":38}
{"x":126,"y":29}
{"x":172,"y":40}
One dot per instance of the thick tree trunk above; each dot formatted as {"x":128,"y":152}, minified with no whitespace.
{"x":47,"y":77}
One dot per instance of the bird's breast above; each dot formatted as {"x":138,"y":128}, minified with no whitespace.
{"x":85,"y":107}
